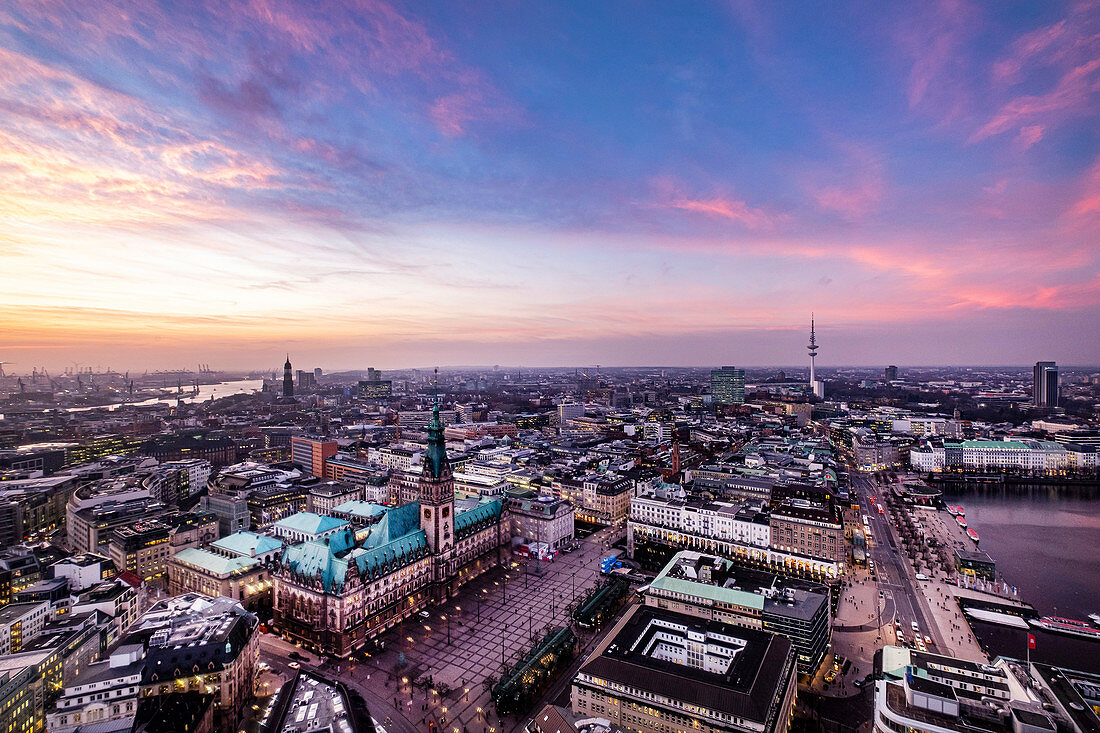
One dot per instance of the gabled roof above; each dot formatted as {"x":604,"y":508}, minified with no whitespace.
{"x":488,"y":511}
{"x":394,"y":542}
{"x":392,"y":555}
{"x":310,"y":523}
{"x":248,"y":544}
{"x":396,"y":523}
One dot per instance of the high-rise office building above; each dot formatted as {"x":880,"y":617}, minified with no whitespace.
{"x":727,"y":385}
{"x":1044,"y":385}
{"x":891,"y":373}
{"x":288,"y":379}
{"x":306,"y":380}
{"x":311,"y":453}
{"x":568,"y":411}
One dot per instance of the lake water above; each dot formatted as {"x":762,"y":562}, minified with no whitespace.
{"x":1046,"y":545}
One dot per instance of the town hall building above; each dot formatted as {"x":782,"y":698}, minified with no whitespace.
{"x":335,"y":592}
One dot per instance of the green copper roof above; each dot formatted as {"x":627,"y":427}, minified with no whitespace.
{"x":396,"y":523}
{"x":468,"y":521}
{"x":393,"y":543}
{"x":248,"y":544}
{"x":435,"y":458}
{"x":310,"y":523}
{"x":701,"y":589}
{"x":214,"y":563}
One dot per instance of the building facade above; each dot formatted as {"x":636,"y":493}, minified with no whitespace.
{"x":1044,"y":384}
{"x":1040,"y":457}
{"x":336,"y":593}
{"x":543,"y":519}
{"x":311,"y":453}
{"x":246,"y":580}
{"x":727,"y":385}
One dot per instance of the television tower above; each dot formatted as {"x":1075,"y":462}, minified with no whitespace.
{"x":812,"y":348}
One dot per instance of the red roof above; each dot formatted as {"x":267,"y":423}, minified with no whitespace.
{"x":131,"y":579}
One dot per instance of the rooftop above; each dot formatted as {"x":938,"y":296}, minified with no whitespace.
{"x":310,"y":523}
{"x":364,"y":509}
{"x":214,"y":563}
{"x":759,"y":663}
{"x":717,"y":579}
{"x":248,"y":544}
{"x":13,"y":611}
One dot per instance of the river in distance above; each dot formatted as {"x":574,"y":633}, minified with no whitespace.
{"x":205,"y":392}
{"x":1045,"y":545}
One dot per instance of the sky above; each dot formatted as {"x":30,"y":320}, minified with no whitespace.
{"x":566,"y":183}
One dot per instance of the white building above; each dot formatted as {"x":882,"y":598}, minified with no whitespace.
{"x":106,"y":691}
{"x":83,"y":571}
{"x":113,"y":598}
{"x":397,"y":457}
{"x":928,"y":692}
{"x":737,"y":523}
{"x":1036,"y":456}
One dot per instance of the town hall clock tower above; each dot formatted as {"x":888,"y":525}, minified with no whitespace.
{"x":437,"y":507}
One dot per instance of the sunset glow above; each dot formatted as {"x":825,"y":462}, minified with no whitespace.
{"x":543,"y":183}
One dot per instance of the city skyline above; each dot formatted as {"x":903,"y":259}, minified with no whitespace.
{"x":397,"y":184}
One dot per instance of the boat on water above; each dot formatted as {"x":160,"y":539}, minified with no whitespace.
{"x":961,"y":522}
{"x":1095,"y":618}
{"x":952,"y":510}
{"x":1070,"y":626}
{"x":994,"y":617}
{"x":972,"y":534}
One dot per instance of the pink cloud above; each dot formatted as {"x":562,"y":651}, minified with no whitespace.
{"x":1088,"y":199}
{"x":730,"y":209}
{"x":1072,"y":96}
{"x":669,"y":193}
{"x":934,"y":37}
{"x":863,"y":187}
{"x":1029,"y":135}
{"x":452,"y":112}
{"x":1024,"y":49}
{"x":1068,"y":52}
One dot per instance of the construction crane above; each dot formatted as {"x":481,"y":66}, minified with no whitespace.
{"x":2,"y":363}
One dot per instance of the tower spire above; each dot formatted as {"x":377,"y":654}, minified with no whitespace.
{"x":812,"y":349}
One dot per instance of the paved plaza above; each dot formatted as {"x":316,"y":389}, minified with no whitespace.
{"x":462,"y":643}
